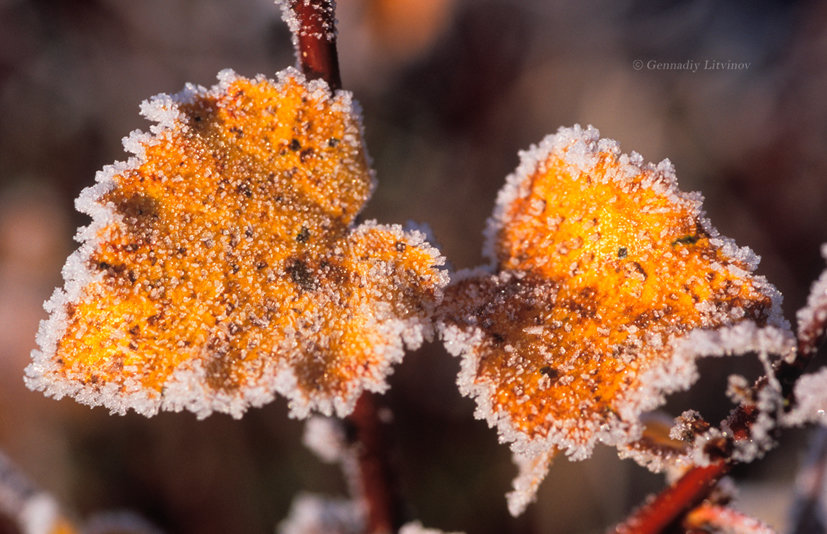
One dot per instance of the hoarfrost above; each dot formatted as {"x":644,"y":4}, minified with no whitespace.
{"x":812,"y":318}
{"x":531,"y":472}
{"x":810,"y":400}
{"x":810,"y":391}
{"x":325,"y":12}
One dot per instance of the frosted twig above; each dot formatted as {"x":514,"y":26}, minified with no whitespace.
{"x":313,"y":24}
{"x":696,"y":483}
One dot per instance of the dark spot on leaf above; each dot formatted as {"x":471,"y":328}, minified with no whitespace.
{"x":303,"y":235}
{"x":244,"y":189}
{"x":295,"y":146}
{"x":550,"y":372}
{"x":400,"y":246}
{"x":301,"y":275}
{"x":333,"y":142}
{"x":622,"y":252}
{"x":305,"y":154}
{"x":686,"y":240}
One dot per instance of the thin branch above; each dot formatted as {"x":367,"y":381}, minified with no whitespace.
{"x":313,"y":23}
{"x":695,"y":485}
{"x":314,"y":30}
{"x":669,"y":505}
{"x":369,"y":434}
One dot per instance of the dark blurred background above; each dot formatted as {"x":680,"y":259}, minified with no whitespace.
{"x":451,"y":90}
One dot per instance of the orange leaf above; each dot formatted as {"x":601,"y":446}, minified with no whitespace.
{"x":222,"y":265}
{"x":600,"y":268}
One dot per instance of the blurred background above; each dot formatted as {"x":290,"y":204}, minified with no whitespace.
{"x":451,"y":91}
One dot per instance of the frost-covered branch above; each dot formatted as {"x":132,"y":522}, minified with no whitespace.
{"x":313,"y":25}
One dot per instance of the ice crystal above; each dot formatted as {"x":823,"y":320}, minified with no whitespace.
{"x":606,"y":283}
{"x":222,"y":265}
{"x":325,"y":11}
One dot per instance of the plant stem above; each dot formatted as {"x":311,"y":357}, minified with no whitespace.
{"x":316,"y":40}
{"x":384,"y":510}
{"x":315,"y":37}
{"x":670,"y":504}
{"x":695,"y":484}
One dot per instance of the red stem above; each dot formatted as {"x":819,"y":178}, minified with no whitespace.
{"x":316,"y":53}
{"x":670,"y":504}
{"x":316,"y":48}
{"x":384,"y":514}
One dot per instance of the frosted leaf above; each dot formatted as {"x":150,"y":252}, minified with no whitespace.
{"x":810,"y":400}
{"x":314,"y":514}
{"x":222,"y":264}
{"x":811,"y":389}
{"x":416,"y":527}
{"x":812,"y":319}
{"x":531,"y":472}
{"x":606,"y":283}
